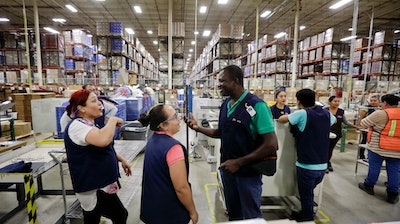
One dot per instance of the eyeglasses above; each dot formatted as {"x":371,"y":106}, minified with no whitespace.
{"x":175,"y":117}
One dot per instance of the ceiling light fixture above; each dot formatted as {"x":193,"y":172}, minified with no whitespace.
{"x":155,"y":42}
{"x":196,"y":32}
{"x":302,"y":27}
{"x":348,"y":38}
{"x":149,"y":31}
{"x":129,"y":31}
{"x":89,"y":35}
{"x":339,"y":4}
{"x":222,"y":2}
{"x":137,"y":9}
{"x":206,"y":33}
{"x":190,"y":50}
{"x":265,"y":13}
{"x":193,"y":42}
{"x":350,"y":29}
{"x":51,"y":30}
{"x":203,"y":9}
{"x":59,"y":20}
{"x":71,"y":8}
{"x":396,"y":31}
{"x":189,"y":55}
{"x":279,"y":35}
{"x":4,"y":20}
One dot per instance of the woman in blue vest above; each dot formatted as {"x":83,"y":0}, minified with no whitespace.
{"x":280,"y":107}
{"x":166,"y":194}
{"x":92,"y":161}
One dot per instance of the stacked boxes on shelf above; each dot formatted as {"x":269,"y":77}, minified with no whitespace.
{"x":322,"y":55}
{"x":23,"y":103}
{"x":223,"y":49}
{"x":77,"y":56}
{"x":383,"y":61}
{"x":117,"y":50}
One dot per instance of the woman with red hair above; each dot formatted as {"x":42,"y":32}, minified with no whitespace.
{"x":92,"y":160}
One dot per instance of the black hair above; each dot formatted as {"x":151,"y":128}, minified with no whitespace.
{"x":84,"y":86}
{"x":331,"y":98}
{"x":390,"y":99}
{"x":306,"y":97}
{"x":235,"y":73}
{"x":154,"y":117}
{"x":277,"y":93}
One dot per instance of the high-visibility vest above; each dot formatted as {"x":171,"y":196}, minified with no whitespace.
{"x":390,"y":135}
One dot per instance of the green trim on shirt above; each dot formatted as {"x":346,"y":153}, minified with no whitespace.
{"x":262,"y":122}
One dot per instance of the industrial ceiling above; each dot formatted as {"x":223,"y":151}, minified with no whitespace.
{"x":315,"y":15}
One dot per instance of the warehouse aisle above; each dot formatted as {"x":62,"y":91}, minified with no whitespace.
{"x":342,"y":201}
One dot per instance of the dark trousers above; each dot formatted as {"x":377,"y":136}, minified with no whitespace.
{"x":242,"y":196}
{"x":307,"y":180}
{"x":109,"y":206}
{"x":332,"y":145}
{"x":363,"y":140}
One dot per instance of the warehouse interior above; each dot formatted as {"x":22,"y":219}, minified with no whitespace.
{"x":141,"y":53}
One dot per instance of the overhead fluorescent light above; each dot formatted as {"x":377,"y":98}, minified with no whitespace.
{"x":51,"y":30}
{"x":350,"y":29}
{"x":190,"y":50}
{"x":155,"y":42}
{"x":206,"y":33}
{"x":396,"y":31}
{"x":59,"y":20}
{"x":302,"y":27}
{"x":159,"y":50}
{"x":137,"y":9}
{"x":189,"y":55}
{"x":339,"y":4}
{"x":348,"y":38}
{"x":4,"y":20}
{"x":196,"y":32}
{"x":265,"y":13}
{"x":71,"y":8}
{"x":203,"y":9}
{"x":279,"y":35}
{"x":193,"y":42}
{"x":222,"y":2}
{"x":149,"y":31}
{"x":129,"y":31}
{"x":89,"y":35}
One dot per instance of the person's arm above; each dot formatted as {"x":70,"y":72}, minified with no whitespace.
{"x":104,"y":136}
{"x":363,"y":113}
{"x":267,"y":148}
{"x":210,"y":132}
{"x":110,"y":110}
{"x":178,"y":176}
{"x":64,"y":120}
{"x":283,"y":119}
{"x":125,"y":165}
{"x":346,"y":122}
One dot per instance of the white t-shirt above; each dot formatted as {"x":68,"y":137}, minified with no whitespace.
{"x":77,"y":132}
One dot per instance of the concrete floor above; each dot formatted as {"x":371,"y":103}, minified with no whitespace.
{"x":342,"y":201}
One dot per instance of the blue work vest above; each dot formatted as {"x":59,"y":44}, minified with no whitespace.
{"x":159,"y":202}
{"x":236,"y":137}
{"x":91,"y":167}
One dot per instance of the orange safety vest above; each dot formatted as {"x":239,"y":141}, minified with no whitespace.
{"x":390,"y":136}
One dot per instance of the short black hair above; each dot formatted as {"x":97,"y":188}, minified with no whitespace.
{"x":390,"y":99}
{"x":235,"y":73}
{"x":306,"y":97}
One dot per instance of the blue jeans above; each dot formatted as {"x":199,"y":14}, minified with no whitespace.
{"x":307,"y":180}
{"x":242,"y":196}
{"x":392,"y":170}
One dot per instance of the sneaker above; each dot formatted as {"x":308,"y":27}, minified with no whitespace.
{"x":392,"y":197}
{"x":367,"y":188}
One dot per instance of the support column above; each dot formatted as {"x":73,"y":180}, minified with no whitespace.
{"x":37,"y":40}
{"x":170,"y":5}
